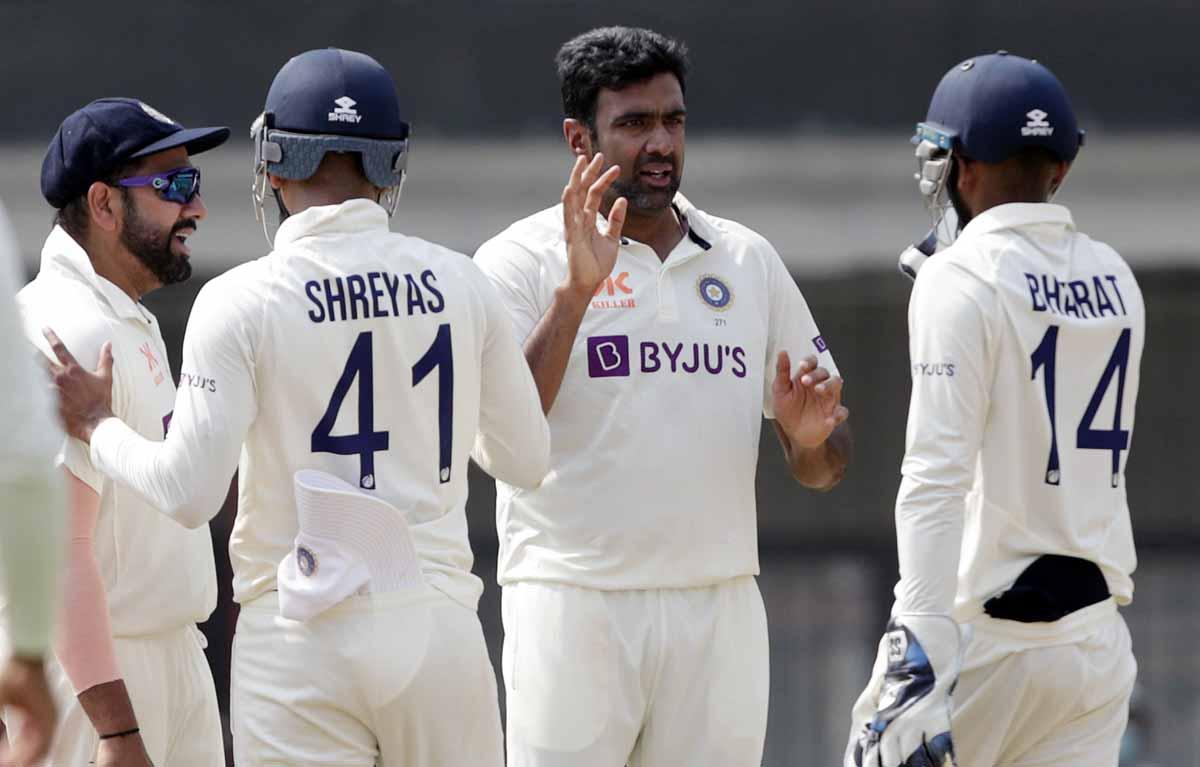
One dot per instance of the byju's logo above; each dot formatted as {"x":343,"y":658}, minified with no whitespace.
{"x":608,"y":356}
{"x":344,"y":111}
{"x":1037,"y":125}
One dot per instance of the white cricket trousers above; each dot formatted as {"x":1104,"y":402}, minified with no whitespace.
{"x":655,"y":678}
{"x":400,"y":679}
{"x":1027,"y":698}
{"x":171,"y":688}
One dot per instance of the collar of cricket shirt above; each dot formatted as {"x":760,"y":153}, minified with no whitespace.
{"x":350,"y":216}
{"x":699,"y":229}
{"x":1015,"y":214}
{"x":63,"y":255}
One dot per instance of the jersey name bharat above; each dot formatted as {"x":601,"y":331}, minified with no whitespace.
{"x":1067,"y":352}
{"x":655,"y":429}
{"x":366,"y":367}
{"x":158,"y":575}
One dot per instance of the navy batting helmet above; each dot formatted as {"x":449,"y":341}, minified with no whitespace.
{"x":331,"y":100}
{"x":991,"y":107}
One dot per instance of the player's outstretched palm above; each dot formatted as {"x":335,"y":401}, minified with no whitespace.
{"x":591,"y":253}
{"x":808,"y":406}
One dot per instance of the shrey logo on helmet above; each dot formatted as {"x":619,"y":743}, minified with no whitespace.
{"x":344,"y":111}
{"x":1037,"y":125}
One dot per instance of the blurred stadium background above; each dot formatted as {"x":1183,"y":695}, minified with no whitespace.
{"x":799,"y":119}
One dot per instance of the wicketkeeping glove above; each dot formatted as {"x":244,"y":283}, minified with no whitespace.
{"x":911,"y":727}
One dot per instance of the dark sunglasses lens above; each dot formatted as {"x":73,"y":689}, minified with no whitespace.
{"x":183,"y":187}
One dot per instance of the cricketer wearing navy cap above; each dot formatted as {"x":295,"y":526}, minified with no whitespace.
{"x":1005,"y":645}
{"x":129,"y":674}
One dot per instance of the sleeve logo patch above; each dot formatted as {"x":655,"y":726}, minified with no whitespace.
{"x":819,"y":343}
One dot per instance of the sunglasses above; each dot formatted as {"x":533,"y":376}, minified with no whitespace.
{"x":180,"y":185}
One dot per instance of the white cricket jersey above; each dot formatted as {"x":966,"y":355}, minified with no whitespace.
{"x":655,"y":430}
{"x":368,"y":355}
{"x":1025,"y":340}
{"x":31,"y":498}
{"x":157,"y":575}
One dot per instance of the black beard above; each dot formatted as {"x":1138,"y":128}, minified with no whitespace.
{"x":641,"y":198}
{"x":153,"y":248}
{"x":284,"y":213}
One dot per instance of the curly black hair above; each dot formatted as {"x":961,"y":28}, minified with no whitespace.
{"x":614,"y":57}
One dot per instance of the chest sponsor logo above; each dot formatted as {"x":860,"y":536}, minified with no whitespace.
{"x":610,"y":357}
{"x":714,"y":291}
{"x":152,"y":363}
{"x":614,"y":293}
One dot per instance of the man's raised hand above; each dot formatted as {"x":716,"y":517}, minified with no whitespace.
{"x":591,"y":254}
{"x":807,"y":406}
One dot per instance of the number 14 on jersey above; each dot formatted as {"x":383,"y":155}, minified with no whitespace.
{"x":1115,"y":439}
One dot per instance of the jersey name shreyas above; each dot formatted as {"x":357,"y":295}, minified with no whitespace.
{"x":373,"y":294}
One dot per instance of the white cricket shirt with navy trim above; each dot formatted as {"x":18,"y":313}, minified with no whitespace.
{"x":378,"y":358}
{"x":157,"y":575}
{"x":655,"y":430}
{"x":1025,"y":342}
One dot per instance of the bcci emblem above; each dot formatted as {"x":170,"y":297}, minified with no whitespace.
{"x":714,"y":292}
{"x":306,"y":561}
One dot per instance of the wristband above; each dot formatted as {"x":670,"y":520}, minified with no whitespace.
{"x":121,"y":734}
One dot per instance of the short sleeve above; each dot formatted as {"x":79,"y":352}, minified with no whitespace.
{"x":791,"y":326}
{"x":516,"y":276}
{"x":513,"y":441}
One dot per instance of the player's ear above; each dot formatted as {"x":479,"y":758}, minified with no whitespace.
{"x":1061,"y":169}
{"x":578,"y":136}
{"x":966,"y":175}
{"x":276,"y":181}
{"x":102,"y":204}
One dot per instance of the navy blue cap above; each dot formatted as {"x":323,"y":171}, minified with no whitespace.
{"x":331,"y":91}
{"x":95,"y":141}
{"x":991,"y":107}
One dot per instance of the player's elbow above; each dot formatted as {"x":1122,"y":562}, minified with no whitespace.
{"x":189,"y":509}
{"x":535,"y":464}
